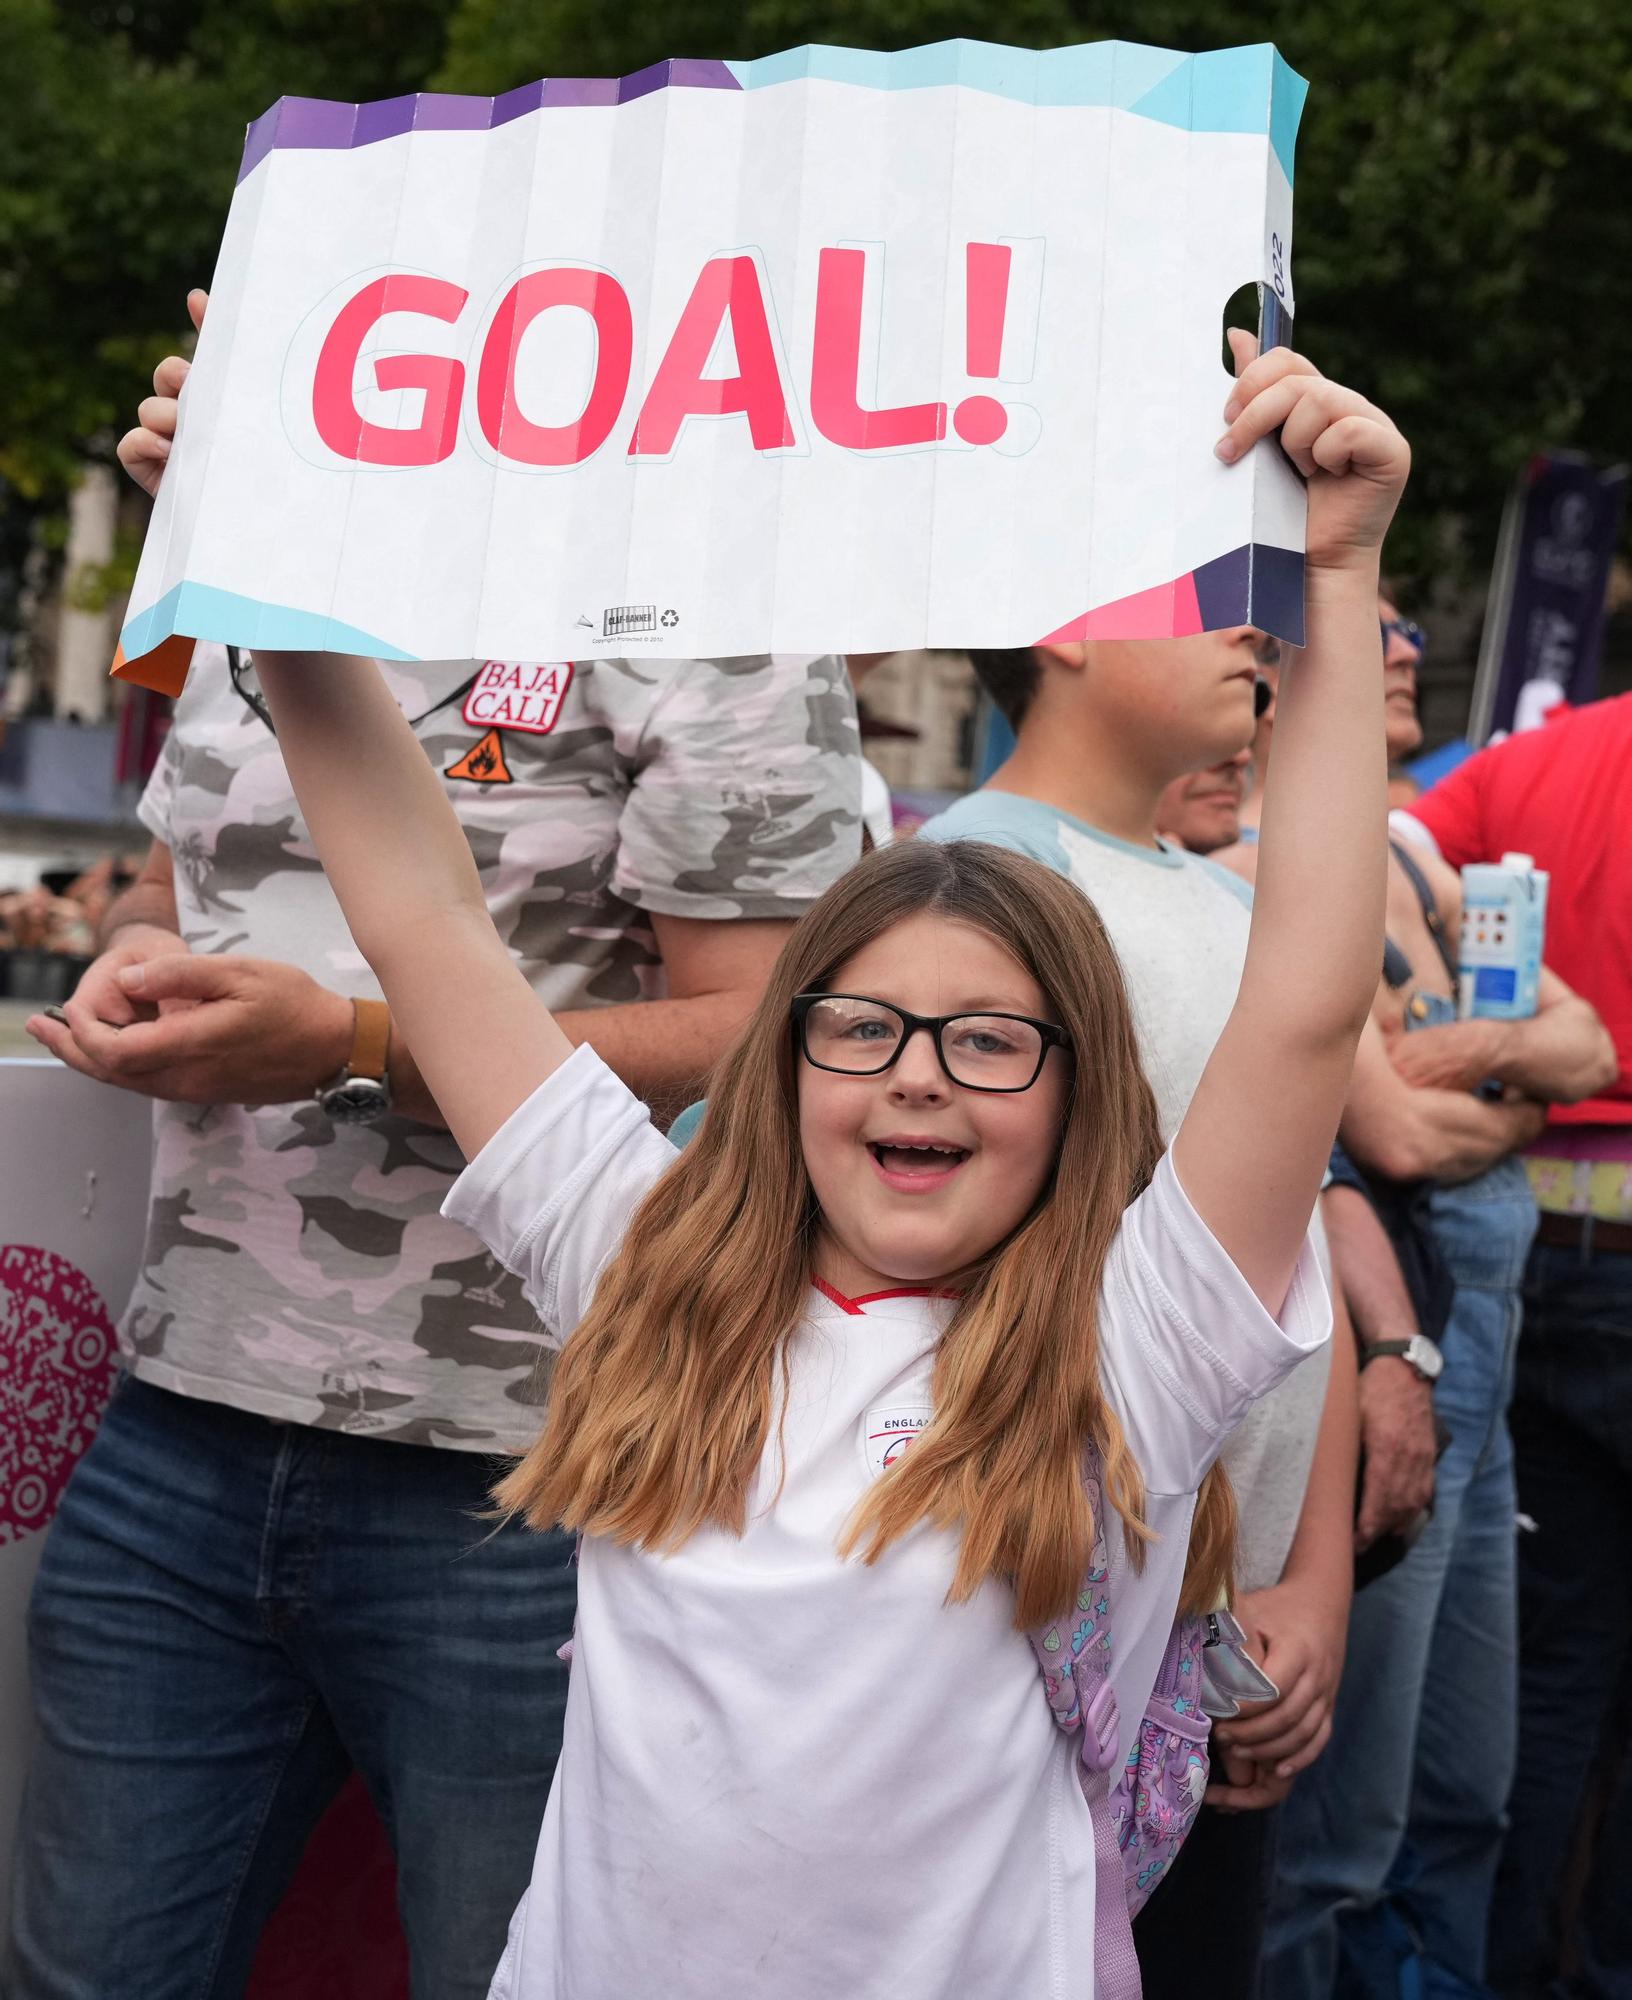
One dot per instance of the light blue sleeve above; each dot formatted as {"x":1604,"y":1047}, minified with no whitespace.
{"x":684,"y":1128}
{"x":1018,"y":824}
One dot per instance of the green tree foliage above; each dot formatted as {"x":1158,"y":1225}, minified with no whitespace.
{"x":1464,"y":190}
{"x":119,"y":141}
{"x":1464,"y":196}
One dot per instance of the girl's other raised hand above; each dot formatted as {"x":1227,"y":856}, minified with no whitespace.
{"x":1350,"y":452}
{"x":144,"y":451}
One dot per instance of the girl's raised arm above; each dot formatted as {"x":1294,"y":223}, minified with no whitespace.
{"x":1252,"y":1149}
{"x":399,"y":864}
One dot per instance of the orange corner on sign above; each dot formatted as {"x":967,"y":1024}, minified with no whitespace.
{"x":483,"y":763}
{"x":163,"y":669}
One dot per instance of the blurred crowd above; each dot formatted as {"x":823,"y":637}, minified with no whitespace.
{"x":63,"y":913}
{"x":1466,"y":1826}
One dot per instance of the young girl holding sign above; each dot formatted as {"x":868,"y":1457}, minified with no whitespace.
{"x":829,"y":1376}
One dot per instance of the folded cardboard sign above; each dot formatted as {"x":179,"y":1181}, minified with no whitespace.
{"x":828,"y":351}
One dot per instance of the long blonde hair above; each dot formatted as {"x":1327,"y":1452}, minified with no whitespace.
{"x":661,"y":1404}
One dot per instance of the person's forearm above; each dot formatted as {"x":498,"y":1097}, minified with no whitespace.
{"x":410,"y":1094}
{"x":1441,"y":1135}
{"x":148,"y":903}
{"x":1558,"y":1056}
{"x":1366,"y":1269}
{"x":663,"y":1049}
{"x":1317,"y":920}
{"x":392,"y":848}
{"x":1321,"y":1557}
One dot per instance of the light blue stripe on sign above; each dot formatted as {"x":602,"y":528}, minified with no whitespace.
{"x":197,"y":610}
{"x":1228,"y":90}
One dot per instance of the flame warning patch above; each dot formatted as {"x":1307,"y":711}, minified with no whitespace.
{"x":483,"y":763}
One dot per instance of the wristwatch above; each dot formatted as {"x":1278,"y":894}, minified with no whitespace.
{"x":1418,"y":1353}
{"x":361,"y":1092}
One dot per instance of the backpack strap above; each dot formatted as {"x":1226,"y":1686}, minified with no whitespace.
{"x":1430,"y":907}
{"x":1075,"y":1657}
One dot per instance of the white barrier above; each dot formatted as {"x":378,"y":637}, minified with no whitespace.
{"x":74,"y":1159}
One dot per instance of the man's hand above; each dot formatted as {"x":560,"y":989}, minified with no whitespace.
{"x":1397,"y":1438}
{"x":144,"y":451}
{"x":202,"y":1030}
{"x":100,"y":991}
{"x":1298,"y":1636}
{"x":1456,"y":1056}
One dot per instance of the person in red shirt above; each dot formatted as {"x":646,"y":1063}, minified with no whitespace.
{"x":1563,"y":794}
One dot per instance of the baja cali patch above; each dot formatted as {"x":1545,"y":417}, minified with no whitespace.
{"x":518,"y":694}
{"x":890,"y":1429}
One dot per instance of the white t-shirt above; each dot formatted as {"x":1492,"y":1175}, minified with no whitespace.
{"x":789,"y":1775}
{"x":1179,"y":925}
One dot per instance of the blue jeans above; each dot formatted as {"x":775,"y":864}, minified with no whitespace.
{"x":230,"y":1613}
{"x":1572,"y":1435}
{"x":1389,"y":1843}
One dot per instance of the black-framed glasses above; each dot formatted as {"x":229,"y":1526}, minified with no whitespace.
{"x":853,"y":1035}
{"x":1409,"y":630}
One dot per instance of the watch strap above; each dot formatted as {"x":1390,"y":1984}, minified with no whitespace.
{"x":1418,"y":1353}
{"x":370,"y":1039}
{"x":1383,"y":1350}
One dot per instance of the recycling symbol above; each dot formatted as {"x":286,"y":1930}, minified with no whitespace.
{"x":671,"y":618}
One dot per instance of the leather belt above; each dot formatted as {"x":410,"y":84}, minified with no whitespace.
{"x":1586,"y":1233}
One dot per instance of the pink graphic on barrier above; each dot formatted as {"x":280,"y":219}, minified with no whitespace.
{"x":57,"y":1361}
{"x":335,"y":1935}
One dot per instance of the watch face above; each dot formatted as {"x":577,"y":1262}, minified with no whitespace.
{"x":357,"y":1101}
{"x":1425,"y":1357}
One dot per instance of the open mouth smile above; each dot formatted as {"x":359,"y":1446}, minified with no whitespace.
{"x":916,"y":1166}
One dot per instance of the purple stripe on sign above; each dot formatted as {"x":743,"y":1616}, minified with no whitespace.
{"x":644,"y":81}
{"x":1255,"y":585}
{"x":258,"y":140}
{"x":316,"y":123}
{"x":298,"y":121}
{"x":699,"y":73}
{"x":517,"y":103}
{"x":384,"y":119}
{"x":1224,"y":589}
{"x":577,"y":91}
{"x":439,"y":112}
{"x":1277,"y":592}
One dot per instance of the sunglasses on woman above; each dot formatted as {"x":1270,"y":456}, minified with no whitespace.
{"x":1409,"y":630}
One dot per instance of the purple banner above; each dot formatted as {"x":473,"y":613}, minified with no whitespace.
{"x":1544,"y":622}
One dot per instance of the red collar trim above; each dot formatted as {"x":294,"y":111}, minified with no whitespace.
{"x":856,"y":1307}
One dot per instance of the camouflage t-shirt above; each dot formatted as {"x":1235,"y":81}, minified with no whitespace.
{"x":302,"y":1270}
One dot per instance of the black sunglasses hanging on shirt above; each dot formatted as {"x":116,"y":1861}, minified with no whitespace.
{"x":255,"y":702}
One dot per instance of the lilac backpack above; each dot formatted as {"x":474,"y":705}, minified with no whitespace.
{"x":1140,"y":1814}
